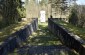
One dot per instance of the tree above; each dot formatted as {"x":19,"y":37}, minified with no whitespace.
{"x":73,"y":18}
{"x":81,"y":15}
{"x":77,"y":16}
{"x":60,"y":4}
{"x":10,"y":11}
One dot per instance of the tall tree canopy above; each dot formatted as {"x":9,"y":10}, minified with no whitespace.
{"x":10,"y":11}
{"x":60,"y":4}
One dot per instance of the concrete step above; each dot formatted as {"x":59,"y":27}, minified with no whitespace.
{"x":45,"y":50}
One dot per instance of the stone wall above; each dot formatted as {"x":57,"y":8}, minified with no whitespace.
{"x":69,"y":39}
{"x":15,"y":40}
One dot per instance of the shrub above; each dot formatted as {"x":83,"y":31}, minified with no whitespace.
{"x":77,"y":16}
{"x":73,"y":18}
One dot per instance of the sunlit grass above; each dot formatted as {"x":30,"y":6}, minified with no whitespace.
{"x":76,"y":30}
{"x":12,"y":29}
{"x":43,"y":37}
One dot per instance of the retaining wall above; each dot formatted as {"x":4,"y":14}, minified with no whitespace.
{"x":69,"y":39}
{"x":16,"y":39}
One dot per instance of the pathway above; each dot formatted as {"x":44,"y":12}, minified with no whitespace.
{"x":43,"y":42}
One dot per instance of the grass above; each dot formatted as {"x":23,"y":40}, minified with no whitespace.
{"x":11,"y":29}
{"x":43,"y":37}
{"x":76,"y":30}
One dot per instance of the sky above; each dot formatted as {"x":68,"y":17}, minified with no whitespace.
{"x":23,"y":0}
{"x":79,"y":1}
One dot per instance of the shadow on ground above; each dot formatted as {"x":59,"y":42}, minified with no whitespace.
{"x":43,"y":36}
{"x":43,"y":42}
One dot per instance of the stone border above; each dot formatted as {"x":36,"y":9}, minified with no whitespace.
{"x":69,"y":39}
{"x":16,"y":39}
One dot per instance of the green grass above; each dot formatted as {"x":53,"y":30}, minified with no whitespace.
{"x":43,"y":36}
{"x":76,"y":30}
{"x":11,"y":29}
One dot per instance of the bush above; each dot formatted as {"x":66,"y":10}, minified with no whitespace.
{"x":73,"y":18}
{"x":12,"y":12}
{"x":77,"y":16}
{"x":22,"y":12}
{"x":81,"y":16}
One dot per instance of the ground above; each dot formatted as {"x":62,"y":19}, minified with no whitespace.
{"x":43,"y":42}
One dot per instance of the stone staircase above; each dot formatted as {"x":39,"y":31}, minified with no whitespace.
{"x":43,"y":42}
{"x":45,"y":50}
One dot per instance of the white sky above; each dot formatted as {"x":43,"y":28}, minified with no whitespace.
{"x":23,"y":0}
{"x":79,"y":1}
